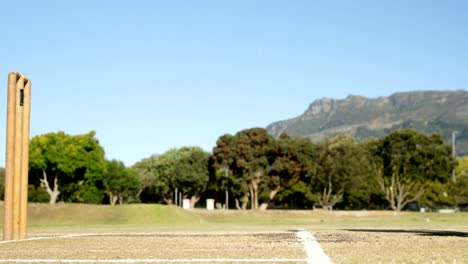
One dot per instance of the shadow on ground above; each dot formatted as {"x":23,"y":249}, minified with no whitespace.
{"x":441,"y":233}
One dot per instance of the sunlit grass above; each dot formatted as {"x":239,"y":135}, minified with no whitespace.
{"x":62,"y":215}
{"x":93,"y":215}
{"x":338,"y":219}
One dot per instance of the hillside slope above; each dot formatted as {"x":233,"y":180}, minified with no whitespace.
{"x":427,"y":111}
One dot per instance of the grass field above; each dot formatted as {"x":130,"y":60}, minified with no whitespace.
{"x":78,"y":233}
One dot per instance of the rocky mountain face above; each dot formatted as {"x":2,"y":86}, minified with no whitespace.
{"x":427,"y":111}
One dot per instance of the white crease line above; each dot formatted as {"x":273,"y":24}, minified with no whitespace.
{"x":46,"y":237}
{"x":54,"y":236}
{"x":312,"y":248}
{"x":146,"y":260}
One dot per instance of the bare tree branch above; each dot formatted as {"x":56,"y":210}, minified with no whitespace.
{"x":53,"y":194}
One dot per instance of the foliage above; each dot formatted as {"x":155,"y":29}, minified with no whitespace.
{"x":88,"y":193}
{"x":37,"y":194}
{"x":251,"y":161}
{"x":192,"y":172}
{"x":260,"y":166}
{"x":296,"y":196}
{"x":458,"y":187}
{"x":436,"y":195}
{"x":120,"y":183}
{"x":222,"y":163}
{"x":144,"y":171}
{"x":67,"y":165}
{"x":342,"y":166}
{"x":185,"y":168}
{"x":410,"y":161}
{"x":369,"y":195}
{"x":257,"y":170}
{"x":246,"y":154}
{"x":291,"y":161}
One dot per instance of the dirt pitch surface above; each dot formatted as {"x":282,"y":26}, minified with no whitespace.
{"x":394,"y":245}
{"x":206,"y":247}
{"x":242,"y":246}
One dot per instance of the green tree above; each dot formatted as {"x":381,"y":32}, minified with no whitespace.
{"x":458,"y":187}
{"x":368,"y":194}
{"x":291,"y":160}
{"x":341,"y":166}
{"x":409,"y":162}
{"x":144,"y":170}
{"x":192,"y":172}
{"x":67,"y":165}
{"x":223,"y":162}
{"x":185,"y":168}
{"x":260,"y":166}
{"x":120,"y":183}
{"x":164,"y":169}
{"x":251,"y":162}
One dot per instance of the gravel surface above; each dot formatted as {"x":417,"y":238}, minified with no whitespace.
{"x":276,"y":245}
{"x":353,"y":245}
{"x":394,"y":245}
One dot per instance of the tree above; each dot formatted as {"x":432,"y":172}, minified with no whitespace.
{"x":164,"y":175}
{"x":261,"y":166}
{"x":253,"y":147}
{"x":340,"y":167}
{"x":368,"y":194}
{"x":409,"y":162}
{"x":291,"y":160}
{"x":185,"y":168}
{"x":223,"y":162}
{"x":120,"y":183}
{"x":192,"y":172}
{"x":66,"y":165}
{"x":459,"y":186}
{"x":144,"y":170}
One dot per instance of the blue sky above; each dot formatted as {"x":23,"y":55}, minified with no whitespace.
{"x":152,"y":75}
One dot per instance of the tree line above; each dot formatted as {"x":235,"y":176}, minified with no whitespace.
{"x":257,"y":170}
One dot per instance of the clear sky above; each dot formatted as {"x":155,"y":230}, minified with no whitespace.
{"x":152,"y":75}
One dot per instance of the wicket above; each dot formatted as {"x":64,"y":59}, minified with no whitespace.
{"x":17,"y":157}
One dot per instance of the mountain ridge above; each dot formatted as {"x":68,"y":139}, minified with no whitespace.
{"x":362,"y":118}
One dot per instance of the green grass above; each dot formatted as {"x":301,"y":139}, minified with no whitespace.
{"x":346,"y":236}
{"x":69,"y":215}
{"x":44,"y":215}
{"x":338,"y":219}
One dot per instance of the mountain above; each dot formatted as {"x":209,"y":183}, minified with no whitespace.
{"x":362,"y":118}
